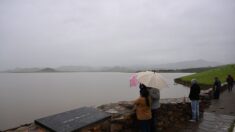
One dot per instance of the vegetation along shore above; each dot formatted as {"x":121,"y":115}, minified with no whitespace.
{"x":205,"y":78}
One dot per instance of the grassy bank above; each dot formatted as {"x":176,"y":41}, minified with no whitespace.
{"x":207,"y":77}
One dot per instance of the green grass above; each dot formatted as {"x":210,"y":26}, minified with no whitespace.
{"x":207,"y":77}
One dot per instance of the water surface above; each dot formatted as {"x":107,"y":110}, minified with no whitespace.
{"x":28,"y":96}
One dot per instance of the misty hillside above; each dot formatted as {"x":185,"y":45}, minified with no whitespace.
{"x":75,"y":68}
{"x":47,"y":70}
{"x":93,"y":69}
{"x":188,"y":64}
{"x":30,"y":70}
{"x":169,"y":66}
{"x":24,"y":70}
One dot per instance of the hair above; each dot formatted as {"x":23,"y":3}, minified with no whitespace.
{"x":144,"y":93}
{"x":142,"y":86}
{"x":193,"y":81}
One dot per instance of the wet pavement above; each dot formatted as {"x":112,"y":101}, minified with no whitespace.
{"x":217,"y":118}
{"x":210,"y":122}
{"x":224,"y":105}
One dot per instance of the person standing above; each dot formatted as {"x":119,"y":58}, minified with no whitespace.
{"x":230,"y":82}
{"x":194,"y":97}
{"x":216,"y":88}
{"x":155,"y":104}
{"x":143,"y":110}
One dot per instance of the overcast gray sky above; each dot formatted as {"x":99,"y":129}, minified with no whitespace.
{"x":38,"y":33}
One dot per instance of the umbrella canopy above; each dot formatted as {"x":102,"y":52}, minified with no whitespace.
{"x":151,"y":79}
{"x":133,"y":80}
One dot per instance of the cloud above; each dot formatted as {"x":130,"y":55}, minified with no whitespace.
{"x":91,"y":32}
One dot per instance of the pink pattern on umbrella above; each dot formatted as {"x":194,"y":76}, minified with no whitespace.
{"x":133,"y":81}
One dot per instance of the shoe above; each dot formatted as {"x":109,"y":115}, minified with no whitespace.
{"x":192,"y":120}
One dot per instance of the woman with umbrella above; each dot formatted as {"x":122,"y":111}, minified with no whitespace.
{"x":151,"y":82}
{"x":143,"y":110}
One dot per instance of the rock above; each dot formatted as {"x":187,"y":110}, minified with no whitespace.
{"x":112,"y":111}
{"x":22,"y":129}
{"x":116,"y":127}
{"x":127,"y":104}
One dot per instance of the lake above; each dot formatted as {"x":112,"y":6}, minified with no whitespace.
{"x":25,"y":97}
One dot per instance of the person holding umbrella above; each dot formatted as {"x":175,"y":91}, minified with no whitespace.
{"x":152,"y":82}
{"x":143,"y":110}
{"x":154,"y":95}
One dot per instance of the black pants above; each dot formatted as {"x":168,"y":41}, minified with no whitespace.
{"x":144,"y":125}
{"x":230,"y":87}
{"x":216,"y":94}
{"x":154,"y":120}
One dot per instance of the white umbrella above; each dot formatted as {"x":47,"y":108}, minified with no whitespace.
{"x":151,"y":79}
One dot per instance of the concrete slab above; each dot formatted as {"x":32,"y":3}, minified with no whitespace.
{"x":72,"y":120}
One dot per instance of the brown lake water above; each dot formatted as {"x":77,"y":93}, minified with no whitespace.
{"x":25,"y":97}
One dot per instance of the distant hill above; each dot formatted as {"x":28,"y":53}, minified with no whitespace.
{"x":76,"y":68}
{"x":47,"y":70}
{"x":93,"y":69}
{"x":116,"y":69}
{"x":188,"y":64}
{"x":31,"y":70}
{"x":24,"y":70}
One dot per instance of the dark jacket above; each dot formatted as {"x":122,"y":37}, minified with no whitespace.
{"x":230,"y":80}
{"x":194,"y":92}
{"x":217,"y":85}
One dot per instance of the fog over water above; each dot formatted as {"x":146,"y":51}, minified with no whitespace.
{"x":51,"y":33}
